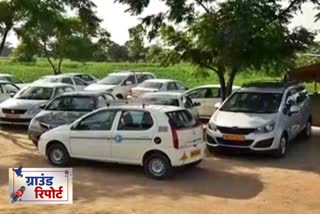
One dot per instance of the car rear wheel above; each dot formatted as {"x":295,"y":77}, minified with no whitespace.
{"x":58,"y":155}
{"x":213,"y":150}
{"x":158,"y":166}
{"x":283,"y":146}
{"x":119,"y":96}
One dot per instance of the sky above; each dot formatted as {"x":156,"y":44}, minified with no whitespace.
{"x":117,"y":21}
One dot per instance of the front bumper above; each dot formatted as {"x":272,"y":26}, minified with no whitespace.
{"x":23,"y":121}
{"x":254,"y":142}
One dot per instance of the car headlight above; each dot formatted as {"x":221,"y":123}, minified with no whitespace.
{"x":266,"y":128}
{"x":212,"y":126}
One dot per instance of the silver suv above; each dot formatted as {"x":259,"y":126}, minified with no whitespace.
{"x":263,"y":117}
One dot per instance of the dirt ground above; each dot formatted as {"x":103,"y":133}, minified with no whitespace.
{"x":221,"y":184}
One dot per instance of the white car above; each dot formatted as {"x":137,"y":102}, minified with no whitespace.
{"x":171,"y":99}
{"x":156,"y":85}
{"x":90,"y":79}
{"x":261,"y":117}
{"x":207,"y":96}
{"x":28,"y":102}
{"x":120,"y":83}
{"x":76,"y":82}
{"x":11,"y":78}
{"x":158,"y":138}
{"x":7,"y":90}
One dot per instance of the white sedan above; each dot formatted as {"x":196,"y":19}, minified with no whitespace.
{"x":207,"y":96}
{"x":158,"y":138}
{"x":156,"y":85}
{"x":171,"y":99}
{"x":70,"y":79}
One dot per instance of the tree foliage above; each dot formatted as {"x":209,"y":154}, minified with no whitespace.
{"x":230,"y":37}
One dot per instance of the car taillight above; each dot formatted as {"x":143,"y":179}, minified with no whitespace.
{"x":130,"y":92}
{"x":175,"y":139}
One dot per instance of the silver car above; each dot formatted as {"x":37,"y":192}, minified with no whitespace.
{"x":20,"y":109}
{"x":7,"y":90}
{"x":261,"y":117}
{"x":65,"y":109}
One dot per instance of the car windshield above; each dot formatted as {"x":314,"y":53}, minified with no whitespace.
{"x":72,"y":104}
{"x":35,"y":93}
{"x":152,"y":85}
{"x":112,"y":80}
{"x":250,"y":102}
{"x":166,"y":101}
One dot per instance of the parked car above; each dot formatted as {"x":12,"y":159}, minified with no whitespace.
{"x":7,"y":90}
{"x":89,"y":79}
{"x":207,"y":96}
{"x":65,"y":109}
{"x":20,"y":109}
{"x":11,"y":78}
{"x":76,"y":82}
{"x":170,"y":99}
{"x":156,"y":85}
{"x":158,"y":138}
{"x":120,"y":83}
{"x":262,"y":117}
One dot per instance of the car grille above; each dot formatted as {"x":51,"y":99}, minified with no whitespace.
{"x":15,"y":120}
{"x":13,"y":111}
{"x":230,"y":130}
{"x":234,"y":143}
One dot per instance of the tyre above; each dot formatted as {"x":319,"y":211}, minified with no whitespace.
{"x":158,"y":166}
{"x":307,"y":130}
{"x":58,"y":155}
{"x":283,"y":146}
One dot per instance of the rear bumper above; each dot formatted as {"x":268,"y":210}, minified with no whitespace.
{"x":185,"y":156}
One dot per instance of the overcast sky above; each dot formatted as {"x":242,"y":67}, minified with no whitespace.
{"x":117,"y":22}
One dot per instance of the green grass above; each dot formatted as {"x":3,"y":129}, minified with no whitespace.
{"x":183,"y":72}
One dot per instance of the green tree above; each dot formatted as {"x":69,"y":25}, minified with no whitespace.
{"x":136,"y":43}
{"x":230,"y":37}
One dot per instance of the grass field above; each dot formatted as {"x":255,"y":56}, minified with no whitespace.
{"x":183,"y":72}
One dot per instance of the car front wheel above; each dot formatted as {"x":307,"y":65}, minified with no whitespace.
{"x":158,"y":166}
{"x":282,"y":149}
{"x":58,"y":155}
{"x":308,"y":129}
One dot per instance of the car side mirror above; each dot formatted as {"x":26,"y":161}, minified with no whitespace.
{"x":294,"y":109}
{"x":196,"y":104}
{"x":217,"y":105}
{"x":12,"y":94}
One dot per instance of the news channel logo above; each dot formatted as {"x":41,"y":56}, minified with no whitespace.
{"x":40,"y":185}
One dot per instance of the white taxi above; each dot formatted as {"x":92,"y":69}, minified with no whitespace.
{"x":159,"y":138}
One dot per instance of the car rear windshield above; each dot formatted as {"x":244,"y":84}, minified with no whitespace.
{"x":253,"y":102}
{"x":112,"y":79}
{"x":159,"y":101}
{"x":182,"y":119}
{"x":72,"y":104}
{"x":152,"y":85}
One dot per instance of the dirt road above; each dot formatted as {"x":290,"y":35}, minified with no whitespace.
{"x":223,"y":184}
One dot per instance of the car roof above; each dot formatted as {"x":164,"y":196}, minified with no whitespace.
{"x":268,"y":87}
{"x":161,"y":80}
{"x":126,"y":73}
{"x":85,"y":93}
{"x":164,"y":94}
{"x":213,"y":86}
{"x":161,"y":108}
{"x":49,"y":85}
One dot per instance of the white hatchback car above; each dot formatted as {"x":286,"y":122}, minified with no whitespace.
{"x":157,"y":137}
{"x":69,"y":79}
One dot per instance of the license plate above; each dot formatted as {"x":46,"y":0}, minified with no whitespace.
{"x":234,"y":137}
{"x":12,"y":116}
{"x":195,"y":153}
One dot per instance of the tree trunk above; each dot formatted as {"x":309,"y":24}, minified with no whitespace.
{"x":223,"y":91}
{"x":4,"y":38}
{"x":55,"y":72}
{"x":232,"y":76}
{"x":59,"y":65}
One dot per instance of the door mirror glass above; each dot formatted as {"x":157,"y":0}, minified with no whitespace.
{"x":294,"y":109}
{"x":217,"y":105}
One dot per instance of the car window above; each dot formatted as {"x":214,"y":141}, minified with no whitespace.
{"x":10,"y":88}
{"x":59,"y":91}
{"x":171,"y":86}
{"x":205,"y":93}
{"x":131,"y":79}
{"x":1,"y":90}
{"x":72,"y":104}
{"x":187,"y":102}
{"x":67,"y":81}
{"x":68,"y":89}
{"x":108,"y":97}
{"x":180,"y":87}
{"x":181,"y":119}
{"x":302,"y":95}
{"x":291,"y":98}
{"x":144,"y":77}
{"x":79,"y":82}
{"x":86,"y":78}
{"x":100,"y":121}
{"x":135,"y":120}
